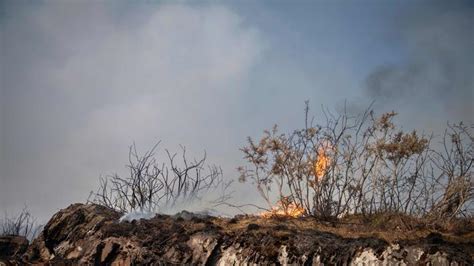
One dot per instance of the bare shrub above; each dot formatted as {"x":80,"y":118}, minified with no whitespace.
{"x":152,"y":184}
{"x":23,"y":224}
{"x":455,"y":161}
{"x":360,"y":164}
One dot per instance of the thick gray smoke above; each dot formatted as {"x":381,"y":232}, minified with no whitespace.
{"x":84,"y":80}
{"x":436,"y":77}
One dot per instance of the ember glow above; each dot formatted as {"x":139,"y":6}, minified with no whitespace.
{"x":284,"y":208}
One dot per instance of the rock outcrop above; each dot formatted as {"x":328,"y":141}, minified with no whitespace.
{"x":91,"y":234}
{"x":12,"y":247}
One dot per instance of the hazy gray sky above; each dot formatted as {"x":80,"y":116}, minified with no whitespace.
{"x":82,"y":80}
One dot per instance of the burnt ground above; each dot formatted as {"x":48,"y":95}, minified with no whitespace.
{"x":91,"y":234}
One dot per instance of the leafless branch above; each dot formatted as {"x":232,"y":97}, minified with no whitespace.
{"x":152,"y":184}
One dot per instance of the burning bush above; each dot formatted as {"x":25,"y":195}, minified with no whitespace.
{"x":362,"y":164}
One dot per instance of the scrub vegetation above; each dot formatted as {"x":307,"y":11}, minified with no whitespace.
{"x":363,"y":164}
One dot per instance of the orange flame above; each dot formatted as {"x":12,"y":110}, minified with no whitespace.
{"x":284,"y":208}
{"x":287,"y":207}
{"x":323,"y":161}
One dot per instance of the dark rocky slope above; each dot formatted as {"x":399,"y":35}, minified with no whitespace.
{"x":91,"y":234}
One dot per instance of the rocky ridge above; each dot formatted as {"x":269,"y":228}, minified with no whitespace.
{"x":92,"y":234}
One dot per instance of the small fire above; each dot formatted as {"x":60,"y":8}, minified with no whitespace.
{"x":323,"y":161}
{"x":285,"y":208}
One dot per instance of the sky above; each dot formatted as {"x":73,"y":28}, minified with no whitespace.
{"x":82,"y":80}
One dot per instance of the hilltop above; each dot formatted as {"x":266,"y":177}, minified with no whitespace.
{"x":92,"y":234}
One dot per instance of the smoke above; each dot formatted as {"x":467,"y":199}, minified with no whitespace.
{"x":435,"y":79}
{"x":82,"y":80}
{"x":86,"y":79}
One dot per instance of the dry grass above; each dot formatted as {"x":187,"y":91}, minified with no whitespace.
{"x":388,"y":227}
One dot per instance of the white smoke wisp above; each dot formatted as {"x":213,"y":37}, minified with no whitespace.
{"x":136,"y":215}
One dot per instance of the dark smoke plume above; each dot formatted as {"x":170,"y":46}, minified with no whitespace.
{"x":439,"y":64}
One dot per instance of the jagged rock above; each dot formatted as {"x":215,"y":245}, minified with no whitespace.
{"x":12,"y":247}
{"x":91,"y":234}
{"x":71,"y":232}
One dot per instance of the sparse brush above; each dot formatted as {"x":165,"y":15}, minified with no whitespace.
{"x":22,"y":224}
{"x":363,"y":164}
{"x":152,"y":184}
